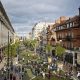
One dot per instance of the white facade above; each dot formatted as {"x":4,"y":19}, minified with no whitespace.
{"x":38,"y":28}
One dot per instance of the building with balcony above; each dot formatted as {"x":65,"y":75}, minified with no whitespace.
{"x":6,"y":29}
{"x":68,"y":32}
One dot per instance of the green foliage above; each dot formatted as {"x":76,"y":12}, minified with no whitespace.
{"x":30,"y":44}
{"x":59,"y":50}
{"x":29,"y":55}
{"x":48,"y":48}
{"x":12,"y":49}
{"x":52,"y":78}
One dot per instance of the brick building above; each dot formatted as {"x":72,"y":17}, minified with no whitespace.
{"x":68,"y":32}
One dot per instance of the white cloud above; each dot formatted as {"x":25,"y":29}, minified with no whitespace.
{"x":25,"y":13}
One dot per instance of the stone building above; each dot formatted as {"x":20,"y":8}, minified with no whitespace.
{"x":5,"y":29}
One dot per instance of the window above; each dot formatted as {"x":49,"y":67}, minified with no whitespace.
{"x":62,"y":35}
{"x":72,"y":45}
{"x":57,"y":28}
{"x":72,"y":35}
{"x":61,"y":27}
{"x":69,"y":34}
{"x":69,"y":45}
{"x":71,"y":24}
{"x":66,"y":34}
{"x":68,"y":25}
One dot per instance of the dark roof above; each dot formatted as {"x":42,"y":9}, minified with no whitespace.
{"x":5,"y":15}
{"x":69,"y":20}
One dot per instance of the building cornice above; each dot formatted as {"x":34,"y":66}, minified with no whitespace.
{"x":5,"y":15}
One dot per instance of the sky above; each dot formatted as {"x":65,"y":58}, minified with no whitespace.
{"x":24,"y":14}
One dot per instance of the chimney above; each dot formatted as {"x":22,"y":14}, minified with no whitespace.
{"x":79,"y":11}
{"x":63,"y":18}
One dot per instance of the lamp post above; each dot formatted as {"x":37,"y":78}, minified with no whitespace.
{"x":8,"y":58}
{"x":11,"y":59}
{"x":18,"y":53}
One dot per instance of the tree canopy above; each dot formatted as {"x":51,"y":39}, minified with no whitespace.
{"x":59,"y":50}
{"x":12,"y":49}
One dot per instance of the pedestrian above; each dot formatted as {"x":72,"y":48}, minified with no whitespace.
{"x":78,"y":75}
{"x":38,"y":71}
{"x":14,"y":78}
{"x":11,"y":76}
{"x":43,"y":74}
{"x":48,"y":67}
{"x":49,"y":74}
{"x":5,"y":78}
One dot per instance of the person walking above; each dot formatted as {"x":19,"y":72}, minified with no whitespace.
{"x":5,"y":78}
{"x":11,"y":76}
{"x":14,"y":78}
{"x":78,"y":75}
{"x":43,"y":74}
{"x":49,"y":74}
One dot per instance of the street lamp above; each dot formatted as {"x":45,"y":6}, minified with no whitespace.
{"x":11,"y":59}
{"x":8,"y":58}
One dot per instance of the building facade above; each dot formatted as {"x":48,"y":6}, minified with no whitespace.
{"x":5,"y":29}
{"x":68,"y":34}
{"x":38,"y":29}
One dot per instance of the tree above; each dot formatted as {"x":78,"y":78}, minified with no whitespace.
{"x":59,"y":50}
{"x":12,"y":49}
{"x":48,"y":48}
{"x":31,"y":44}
